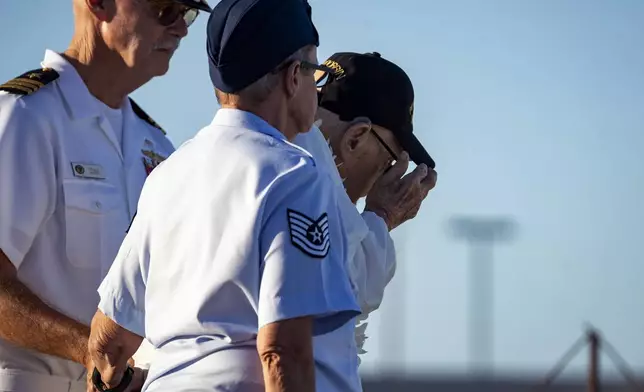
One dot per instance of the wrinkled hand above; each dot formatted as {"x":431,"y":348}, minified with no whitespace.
{"x":138,"y":378}
{"x":396,"y":199}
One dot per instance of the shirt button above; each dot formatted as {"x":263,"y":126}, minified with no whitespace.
{"x":98,"y":205}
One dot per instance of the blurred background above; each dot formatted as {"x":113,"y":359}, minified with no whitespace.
{"x":534,"y":113}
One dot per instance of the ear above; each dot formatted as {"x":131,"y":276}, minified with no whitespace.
{"x":355,"y":136}
{"x":101,"y":9}
{"x":291,"y":79}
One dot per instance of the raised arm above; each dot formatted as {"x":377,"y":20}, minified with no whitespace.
{"x":373,"y":264}
{"x":391,"y":202}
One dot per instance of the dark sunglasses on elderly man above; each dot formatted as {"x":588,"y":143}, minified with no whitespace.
{"x":169,"y":11}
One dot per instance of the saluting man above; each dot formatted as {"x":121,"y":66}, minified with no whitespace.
{"x":361,"y":137}
{"x":74,"y":154}
{"x":364,"y":137}
{"x":237,"y":255}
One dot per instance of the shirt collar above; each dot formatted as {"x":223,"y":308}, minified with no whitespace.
{"x":80,"y":103}
{"x":242,"y":119}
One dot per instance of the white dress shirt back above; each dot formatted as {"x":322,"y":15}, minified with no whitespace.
{"x":236,"y":230}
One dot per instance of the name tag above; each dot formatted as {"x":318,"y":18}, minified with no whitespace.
{"x":87,"y":170}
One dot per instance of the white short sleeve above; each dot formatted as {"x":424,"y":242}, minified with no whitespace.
{"x":122,"y":291}
{"x":303,"y":246}
{"x":27,"y":177}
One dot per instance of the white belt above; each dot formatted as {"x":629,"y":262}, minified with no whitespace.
{"x":19,"y":381}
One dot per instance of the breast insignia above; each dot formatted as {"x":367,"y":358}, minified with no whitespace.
{"x":144,"y":116}
{"x":30,"y":82}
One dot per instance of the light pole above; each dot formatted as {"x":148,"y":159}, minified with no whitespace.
{"x":481,"y":233}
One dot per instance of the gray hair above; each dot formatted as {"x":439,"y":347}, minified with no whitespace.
{"x":261,"y":89}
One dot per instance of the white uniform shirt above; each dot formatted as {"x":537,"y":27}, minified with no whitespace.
{"x":372,"y":256}
{"x":236,"y":230}
{"x":69,"y":190}
{"x":371,"y":261}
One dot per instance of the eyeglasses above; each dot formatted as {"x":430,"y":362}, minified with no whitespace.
{"x":169,"y":11}
{"x":316,"y":67}
{"x":304,"y":65}
{"x":389,"y":150}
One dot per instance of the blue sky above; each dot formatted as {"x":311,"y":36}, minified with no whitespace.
{"x":531,"y":109}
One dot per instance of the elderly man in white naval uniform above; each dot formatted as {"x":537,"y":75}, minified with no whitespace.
{"x":74,"y":154}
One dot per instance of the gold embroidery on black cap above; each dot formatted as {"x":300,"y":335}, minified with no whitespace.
{"x":30,"y":82}
{"x":144,"y":116}
{"x":337,"y":68}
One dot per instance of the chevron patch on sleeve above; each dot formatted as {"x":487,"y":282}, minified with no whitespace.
{"x":309,"y":235}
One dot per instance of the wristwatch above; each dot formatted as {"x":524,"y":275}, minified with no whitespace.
{"x":101,"y":387}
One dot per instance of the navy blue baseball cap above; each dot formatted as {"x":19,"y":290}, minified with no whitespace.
{"x":247,"y":39}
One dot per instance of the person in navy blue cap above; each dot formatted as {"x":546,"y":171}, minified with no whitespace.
{"x":236,"y":258}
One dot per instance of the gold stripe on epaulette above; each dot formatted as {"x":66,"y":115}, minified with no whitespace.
{"x":25,"y":83}
{"x":17,"y":87}
{"x":34,"y":82}
{"x":30,"y":82}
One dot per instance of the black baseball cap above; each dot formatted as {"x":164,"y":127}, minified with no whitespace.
{"x":367,"y":85}
{"x":197,"y":4}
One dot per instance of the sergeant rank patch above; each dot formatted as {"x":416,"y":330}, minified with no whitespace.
{"x":309,"y":235}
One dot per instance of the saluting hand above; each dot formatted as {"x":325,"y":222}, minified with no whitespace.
{"x":396,"y":199}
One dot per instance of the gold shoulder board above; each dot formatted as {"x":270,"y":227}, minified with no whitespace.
{"x":144,"y":116}
{"x":30,"y":82}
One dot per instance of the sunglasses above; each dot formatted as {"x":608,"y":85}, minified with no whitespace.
{"x":169,"y":11}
